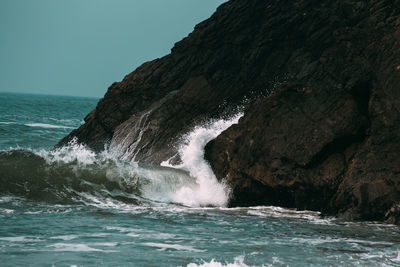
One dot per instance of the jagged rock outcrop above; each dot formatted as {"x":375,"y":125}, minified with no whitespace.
{"x":328,"y":139}
{"x":214,"y":68}
{"x":323,"y":131}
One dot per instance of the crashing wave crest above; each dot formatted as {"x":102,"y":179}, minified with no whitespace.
{"x":75,"y":174}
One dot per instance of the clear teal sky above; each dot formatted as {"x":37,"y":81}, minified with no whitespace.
{"x":79,"y":47}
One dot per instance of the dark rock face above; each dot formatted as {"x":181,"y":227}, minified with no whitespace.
{"x":324,"y":131}
{"x":214,"y":68}
{"x":329,"y":138}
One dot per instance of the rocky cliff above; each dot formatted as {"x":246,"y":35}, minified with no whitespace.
{"x":322,"y":131}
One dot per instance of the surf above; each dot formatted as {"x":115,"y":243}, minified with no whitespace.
{"x":76,"y":174}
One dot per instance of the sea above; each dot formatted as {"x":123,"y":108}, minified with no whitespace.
{"x":70,"y":206}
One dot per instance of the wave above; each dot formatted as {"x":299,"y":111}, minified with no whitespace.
{"x":191,"y":153}
{"x":75,"y":174}
{"x":37,"y":125}
{"x":238,"y":262}
{"x":45,"y":125}
{"x":67,"y":121}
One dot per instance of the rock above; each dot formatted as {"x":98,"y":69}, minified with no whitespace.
{"x":328,"y":140}
{"x":321,"y":129}
{"x":393,"y":214}
{"x":293,"y":143}
{"x":212,"y":69}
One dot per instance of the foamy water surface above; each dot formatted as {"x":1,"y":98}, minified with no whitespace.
{"x":74,"y":207}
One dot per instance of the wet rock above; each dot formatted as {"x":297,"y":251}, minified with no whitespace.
{"x":327,"y":140}
{"x":393,"y":214}
{"x":321,"y":130}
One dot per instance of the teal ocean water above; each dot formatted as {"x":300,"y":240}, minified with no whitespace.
{"x":73,"y":207}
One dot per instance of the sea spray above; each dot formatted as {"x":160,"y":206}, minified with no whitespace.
{"x":209,"y":191}
{"x":238,"y":262}
{"x":76,"y":174}
{"x":73,"y":152}
{"x":121,"y":146}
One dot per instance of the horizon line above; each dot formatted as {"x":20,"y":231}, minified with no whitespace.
{"x":49,"y":94}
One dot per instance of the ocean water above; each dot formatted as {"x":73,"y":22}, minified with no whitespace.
{"x":73,"y":207}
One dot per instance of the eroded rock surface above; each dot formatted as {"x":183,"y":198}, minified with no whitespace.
{"x":329,"y":138}
{"x":323,"y":132}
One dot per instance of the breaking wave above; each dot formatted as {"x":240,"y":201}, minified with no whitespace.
{"x":238,"y":262}
{"x":46,"y":125}
{"x":191,"y":153}
{"x":75,"y":174}
{"x":37,"y":125}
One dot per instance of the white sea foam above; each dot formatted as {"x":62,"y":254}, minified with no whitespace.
{"x":154,"y":182}
{"x":104,"y":244}
{"x":164,"y":246}
{"x":398,"y":256}
{"x":7,"y":199}
{"x":65,"y":237}
{"x":209,"y":191}
{"x":261,"y":211}
{"x":73,"y":247}
{"x":45,"y":125}
{"x":356,"y":242}
{"x":122,"y":229}
{"x":67,"y":121}
{"x":7,"y":211}
{"x":135,"y":232}
{"x":20,"y":239}
{"x":192,"y":183}
{"x":195,"y":187}
{"x":278,"y":212}
{"x":67,"y":154}
{"x":132,"y":235}
{"x":238,"y":262}
{"x":98,"y":234}
{"x":105,"y":202}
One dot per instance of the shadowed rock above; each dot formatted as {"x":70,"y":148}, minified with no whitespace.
{"x":329,"y":139}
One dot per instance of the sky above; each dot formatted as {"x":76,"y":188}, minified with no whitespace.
{"x":80,"y":47}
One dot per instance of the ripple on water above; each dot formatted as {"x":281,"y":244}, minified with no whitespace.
{"x":65,"y":237}
{"x":165,"y":246}
{"x":72,"y":247}
{"x":21,"y":239}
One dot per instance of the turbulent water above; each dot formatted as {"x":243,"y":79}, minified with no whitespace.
{"x":73,"y":207}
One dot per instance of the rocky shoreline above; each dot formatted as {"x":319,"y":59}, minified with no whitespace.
{"x":322,"y":129}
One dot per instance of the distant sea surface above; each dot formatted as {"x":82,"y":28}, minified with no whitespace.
{"x":72,"y":207}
